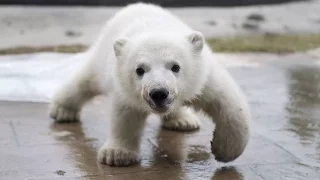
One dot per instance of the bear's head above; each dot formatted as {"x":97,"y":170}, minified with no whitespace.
{"x":158,"y":73}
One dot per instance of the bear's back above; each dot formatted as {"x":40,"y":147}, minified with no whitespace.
{"x":141,"y":18}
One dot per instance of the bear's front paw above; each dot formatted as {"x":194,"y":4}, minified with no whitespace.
{"x":228,"y":146}
{"x":117,"y":157}
{"x":63,"y":114}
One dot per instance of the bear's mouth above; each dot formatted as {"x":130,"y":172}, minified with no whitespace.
{"x":160,"y":109}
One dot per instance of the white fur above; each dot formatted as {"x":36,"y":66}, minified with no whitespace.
{"x":183,"y":119}
{"x":146,"y":35}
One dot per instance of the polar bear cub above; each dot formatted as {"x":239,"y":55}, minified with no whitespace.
{"x":148,"y":61}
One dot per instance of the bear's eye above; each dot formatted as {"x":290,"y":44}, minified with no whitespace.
{"x":175,"y":68}
{"x":140,"y":71}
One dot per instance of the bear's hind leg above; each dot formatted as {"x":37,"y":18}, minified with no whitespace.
{"x":184,"y":119}
{"x":67,"y":102}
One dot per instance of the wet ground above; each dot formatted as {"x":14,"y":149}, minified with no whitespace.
{"x":284,"y":96}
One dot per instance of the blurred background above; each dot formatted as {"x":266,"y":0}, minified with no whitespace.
{"x":72,"y":25}
{"x":161,"y":2}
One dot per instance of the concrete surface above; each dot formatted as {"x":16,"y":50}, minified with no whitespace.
{"x":284,"y":96}
{"x":39,"y":26}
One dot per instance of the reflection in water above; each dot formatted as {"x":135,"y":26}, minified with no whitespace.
{"x":191,"y":160}
{"x":227,"y":173}
{"x":304,"y":104}
{"x":185,"y":160}
{"x":82,"y":150}
{"x":198,"y":153}
{"x":173,"y":150}
{"x":83,"y":153}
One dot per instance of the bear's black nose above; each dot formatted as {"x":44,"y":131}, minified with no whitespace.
{"x":159,"y":96}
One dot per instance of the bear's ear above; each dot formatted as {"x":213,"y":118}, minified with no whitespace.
{"x":119,"y":45}
{"x":197,"y":40}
